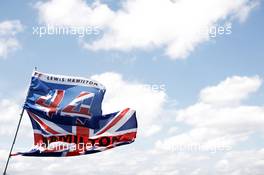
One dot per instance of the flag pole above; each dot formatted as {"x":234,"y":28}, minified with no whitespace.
{"x":14,"y":140}
{"x":9,"y":156}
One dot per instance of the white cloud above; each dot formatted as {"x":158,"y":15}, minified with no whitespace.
{"x":139,"y":162}
{"x":213,"y":125}
{"x":8,"y":41}
{"x":10,"y":112}
{"x":147,"y":24}
{"x":231,"y":91}
{"x":73,"y":13}
{"x":121,"y":94}
{"x":241,"y":163}
{"x":210,"y":124}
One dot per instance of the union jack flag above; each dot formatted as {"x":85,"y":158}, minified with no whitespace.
{"x":67,"y":119}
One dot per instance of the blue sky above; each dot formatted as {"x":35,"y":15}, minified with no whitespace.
{"x":210,"y":62}
{"x":236,"y":54}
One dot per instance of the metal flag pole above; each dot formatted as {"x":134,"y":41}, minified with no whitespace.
{"x":9,"y":156}
{"x":14,"y":140}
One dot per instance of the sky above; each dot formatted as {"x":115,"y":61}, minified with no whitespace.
{"x":192,"y":69}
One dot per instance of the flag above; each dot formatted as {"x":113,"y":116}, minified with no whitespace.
{"x":67,"y":119}
{"x":64,"y":95}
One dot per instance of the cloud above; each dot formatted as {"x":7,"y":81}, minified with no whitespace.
{"x":8,"y":41}
{"x":138,"y":162}
{"x":231,"y":91}
{"x":74,"y":13}
{"x":241,"y":163}
{"x":142,"y":162}
{"x":210,"y":124}
{"x":120,"y":94}
{"x":10,"y":112}
{"x":219,"y":119}
{"x":176,"y":26}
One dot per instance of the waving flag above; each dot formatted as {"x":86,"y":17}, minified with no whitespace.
{"x":67,"y":119}
{"x":64,"y":95}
